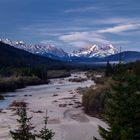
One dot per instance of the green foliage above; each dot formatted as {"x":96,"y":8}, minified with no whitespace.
{"x":136,"y":68}
{"x":122,"y":111}
{"x":14,"y":82}
{"x":14,"y":78}
{"x":45,"y":133}
{"x":93,"y":101}
{"x":40,"y":72}
{"x":109,"y":70}
{"x":120,"y":71}
{"x":25,"y":127}
{"x":99,"y":80}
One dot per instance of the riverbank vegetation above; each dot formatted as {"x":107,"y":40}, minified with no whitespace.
{"x":117,"y":102}
{"x":15,"y":78}
{"x":58,"y":73}
{"x":19,"y":68}
{"x":122,"y":106}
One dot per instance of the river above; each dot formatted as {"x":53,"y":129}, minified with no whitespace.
{"x":65,"y":115}
{"x":56,"y":86}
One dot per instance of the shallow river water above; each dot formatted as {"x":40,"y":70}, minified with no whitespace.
{"x":55,"y":86}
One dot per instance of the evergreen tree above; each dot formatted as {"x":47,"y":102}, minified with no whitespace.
{"x":45,"y":133}
{"x":25,"y":127}
{"x":108,"y":70}
{"x":122,"y":112}
{"x":137,"y":68}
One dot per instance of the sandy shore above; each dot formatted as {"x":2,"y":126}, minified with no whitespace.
{"x":66,"y":116}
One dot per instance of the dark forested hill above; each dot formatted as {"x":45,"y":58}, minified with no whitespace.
{"x":13,"y":57}
{"x":126,"y":56}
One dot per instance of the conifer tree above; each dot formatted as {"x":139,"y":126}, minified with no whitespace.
{"x":25,"y":127}
{"x":108,"y":70}
{"x":45,"y":133}
{"x":122,"y":112}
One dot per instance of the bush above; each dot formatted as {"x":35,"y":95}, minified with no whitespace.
{"x":58,"y":73}
{"x":94,"y":101}
{"x":15,"y":82}
{"x":99,"y":80}
{"x":79,"y":79}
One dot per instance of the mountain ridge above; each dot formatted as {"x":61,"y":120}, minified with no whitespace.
{"x":11,"y":56}
{"x":96,"y":51}
{"x":93,"y":53}
{"x":48,"y":50}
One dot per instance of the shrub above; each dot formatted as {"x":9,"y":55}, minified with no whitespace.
{"x":79,"y":79}
{"x":58,"y":73}
{"x":94,"y":101}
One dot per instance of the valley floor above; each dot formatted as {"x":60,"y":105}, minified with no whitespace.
{"x":63,"y":104}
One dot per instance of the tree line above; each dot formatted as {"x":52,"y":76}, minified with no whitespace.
{"x":122,"y":107}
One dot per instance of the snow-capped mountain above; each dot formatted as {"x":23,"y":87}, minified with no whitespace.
{"x":95,"y":51}
{"x":45,"y":50}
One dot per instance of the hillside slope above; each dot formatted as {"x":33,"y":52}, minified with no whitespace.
{"x":13,"y":57}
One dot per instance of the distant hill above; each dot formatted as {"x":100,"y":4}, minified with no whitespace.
{"x":126,"y":56}
{"x":14,"y":57}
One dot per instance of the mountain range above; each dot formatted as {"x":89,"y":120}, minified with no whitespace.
{"x":14,"y":57}
{"x":48,"y":50}
{"x":39,"y":49}
{"x":93,"y":53}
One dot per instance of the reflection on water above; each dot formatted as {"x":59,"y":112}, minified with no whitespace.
{"x":7,"y":100}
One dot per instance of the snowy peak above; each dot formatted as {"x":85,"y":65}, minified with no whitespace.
{"x":7,"y":41}
{"x":110,"y":49}
{"x":46,"y":50}
{"x":94,"y":48}
{"x":95,"y":51}
{"x":49,"y":50}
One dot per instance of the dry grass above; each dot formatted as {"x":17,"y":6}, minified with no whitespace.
{"x":58,"y":74}
{"x":78,"y":79}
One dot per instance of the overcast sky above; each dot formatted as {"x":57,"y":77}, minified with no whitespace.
{"x":72,"y":24}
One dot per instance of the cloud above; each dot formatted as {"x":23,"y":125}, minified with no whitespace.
{"x":117,"y":20}
{"x":120,"y":28}
{"x":84,"y":39}
{"x":77,"y":36}
{"x":80,"y":39}
{"x":80,"y":33}
{"x":47,"y":42}
{"x":79,"y":44}
{"x":52,"y":28}
{"x":80,"y":10}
